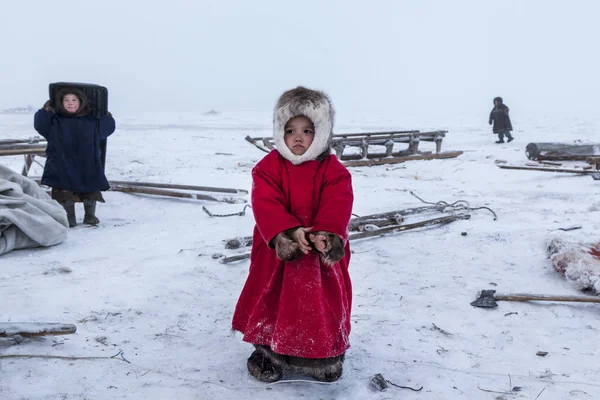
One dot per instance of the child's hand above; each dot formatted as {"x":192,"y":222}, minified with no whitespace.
{"x":299,"y":236}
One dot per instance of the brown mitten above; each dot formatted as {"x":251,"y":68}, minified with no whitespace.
{"x":330,"y":245}
{"x":286,"y":248}
{"x":48,"y":106}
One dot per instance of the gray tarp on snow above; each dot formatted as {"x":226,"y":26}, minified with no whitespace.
{"x":28,"y":216}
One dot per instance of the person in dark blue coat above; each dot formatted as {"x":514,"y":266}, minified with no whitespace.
{"x":73,"y":163}
{"x":502,"y":125}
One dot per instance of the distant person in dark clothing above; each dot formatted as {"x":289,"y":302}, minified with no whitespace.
{"x":501,"y":120}
{"x":73,"y":162}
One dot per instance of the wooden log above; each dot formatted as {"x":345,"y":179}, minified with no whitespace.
{"x":561,"y":151}
{"x":168,"y":193}
{"x":33,"y":329}
{"x":182,"y":187}
{"x":395,"y":160}
{"x":572,"y":171}
{"x":551,"y":157}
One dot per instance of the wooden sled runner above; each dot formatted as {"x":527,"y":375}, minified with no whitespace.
{"x":34,"y":329}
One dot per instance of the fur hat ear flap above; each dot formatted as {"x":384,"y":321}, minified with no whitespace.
{"x":312,"y":104}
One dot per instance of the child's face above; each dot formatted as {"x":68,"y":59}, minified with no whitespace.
{"x":299,"y":134}
{"x":71,"y":103}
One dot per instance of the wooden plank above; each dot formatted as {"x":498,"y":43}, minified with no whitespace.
{"x":573,"y":171}
{"x":23,"y":141}
{"x":181,"y":187}
{"x":17,"y":152}
{"x":169,"y":193}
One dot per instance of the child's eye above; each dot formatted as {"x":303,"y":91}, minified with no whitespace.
{"x":289,"y":131}
{"x":308,"y":131}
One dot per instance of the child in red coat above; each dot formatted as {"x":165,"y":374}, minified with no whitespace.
{"x":295,"y":305}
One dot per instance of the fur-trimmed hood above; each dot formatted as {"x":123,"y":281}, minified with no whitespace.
{"x":83,"y":102}
{"x":312,"y":104}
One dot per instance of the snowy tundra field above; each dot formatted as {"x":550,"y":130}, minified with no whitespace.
{"x":144,"y":282}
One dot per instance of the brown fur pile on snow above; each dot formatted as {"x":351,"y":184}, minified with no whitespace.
{"x":578,"y":262}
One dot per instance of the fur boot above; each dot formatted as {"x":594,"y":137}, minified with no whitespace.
{"x":69,"y":206}
{"x":90,"y":212}
{"x":263,"y":369}
{"x":321,"y":369}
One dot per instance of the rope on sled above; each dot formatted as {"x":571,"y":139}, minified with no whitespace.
{"x":457,"y":205}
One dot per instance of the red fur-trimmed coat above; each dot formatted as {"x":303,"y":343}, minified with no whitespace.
{"x":299,"y":308}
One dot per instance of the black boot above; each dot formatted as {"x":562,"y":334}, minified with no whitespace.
{"x":69,"y":206}
{"x":90,"y":213}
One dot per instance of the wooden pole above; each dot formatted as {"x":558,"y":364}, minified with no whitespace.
{"x":17,"y":152}
{"x":169,"y":193}
{"x":395,"y":160}
{"x":545,"y":297}
{"x":24,"y":141}
{"x":573,"y":171}
{"x":182,"y":187}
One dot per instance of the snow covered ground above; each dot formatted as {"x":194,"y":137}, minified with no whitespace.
{"x":145,"y":282}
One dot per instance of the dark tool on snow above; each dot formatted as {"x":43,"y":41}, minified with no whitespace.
{"x":379,"y":382}
{"x":488,"y":298}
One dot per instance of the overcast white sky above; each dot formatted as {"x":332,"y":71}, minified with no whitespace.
{"x":391,"y":57}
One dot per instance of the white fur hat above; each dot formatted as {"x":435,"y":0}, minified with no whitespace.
{"x":312,"y":104}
